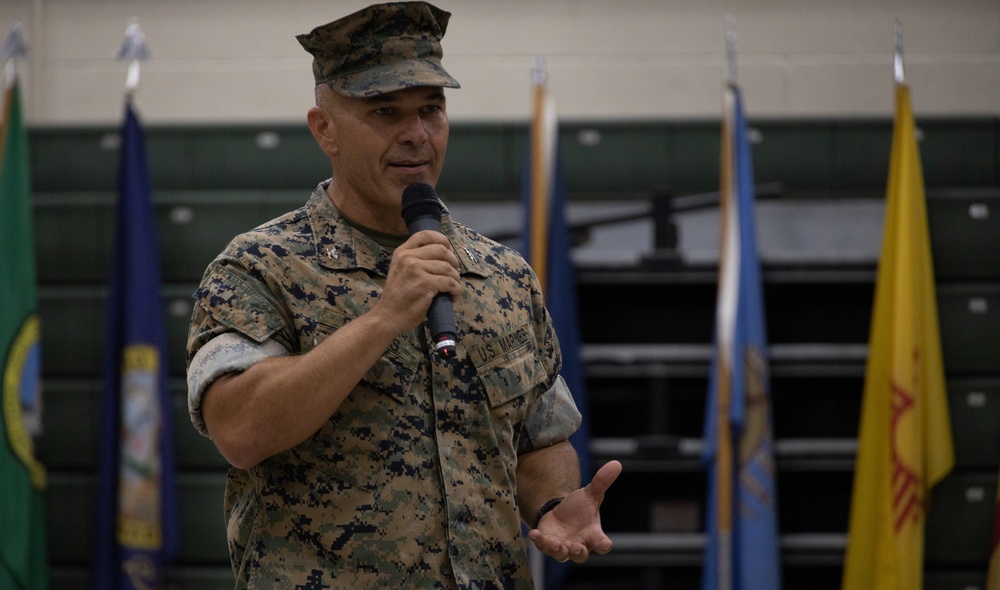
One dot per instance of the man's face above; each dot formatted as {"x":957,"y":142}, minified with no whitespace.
{"x":384,"y":143}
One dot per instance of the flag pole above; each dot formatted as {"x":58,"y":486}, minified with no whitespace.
{"x":724,"y":463}
{"x":539,"y":173}
{"x":134,"y":50}
{"x":137,"y":528}
{"x":14,"y":48}
{"x":537,"y":230}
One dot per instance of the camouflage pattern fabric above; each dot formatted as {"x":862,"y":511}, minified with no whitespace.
{"x":379,"y":49}
{"x":227,"y":353}
{"x":410,"y":484}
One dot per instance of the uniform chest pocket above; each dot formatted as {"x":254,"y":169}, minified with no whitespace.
{"x":508,"y":366}
{"x":393,"y":373}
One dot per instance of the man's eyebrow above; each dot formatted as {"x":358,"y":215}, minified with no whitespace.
{"x":379,"y":99}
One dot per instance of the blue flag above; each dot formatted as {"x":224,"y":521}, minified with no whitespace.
{"x":546,"y":244}
{"x":137,"y":525}
{"x":742,"y":547}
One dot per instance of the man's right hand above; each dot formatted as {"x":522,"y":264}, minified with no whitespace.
{"x":423,"y":266}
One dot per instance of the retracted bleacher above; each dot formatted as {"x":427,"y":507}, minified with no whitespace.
{"x":646,"y":294}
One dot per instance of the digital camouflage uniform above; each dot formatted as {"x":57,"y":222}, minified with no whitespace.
{"x":411,"y":482}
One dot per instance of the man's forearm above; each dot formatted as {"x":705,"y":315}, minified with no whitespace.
{"x":544,"y":474}
{"x":279,"y":402}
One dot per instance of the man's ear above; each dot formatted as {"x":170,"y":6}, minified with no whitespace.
{"x":323,"y":130}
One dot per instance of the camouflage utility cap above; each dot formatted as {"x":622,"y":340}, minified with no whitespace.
{"x":379,"y":49}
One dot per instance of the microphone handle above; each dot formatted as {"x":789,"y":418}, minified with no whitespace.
{"x":424,"y":222}
{"x":440,"y":315}
{"x":441,"y":318}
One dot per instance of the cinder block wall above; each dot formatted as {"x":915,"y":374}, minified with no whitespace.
{"x":223,"y":61}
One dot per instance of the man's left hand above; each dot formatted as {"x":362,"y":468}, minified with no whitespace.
{"x":572,"y":529}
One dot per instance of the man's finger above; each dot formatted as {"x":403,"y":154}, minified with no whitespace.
{"x":579,"y":553}
{"x":604,"y":477}
{"x":603,"y":546}
{"x":546,"y":545}
{"x":556,"y":550}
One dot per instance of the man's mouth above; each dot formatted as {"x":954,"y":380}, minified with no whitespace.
{"x":409,"y":164}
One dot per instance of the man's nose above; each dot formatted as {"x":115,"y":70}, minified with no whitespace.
{"x":413,"y":130}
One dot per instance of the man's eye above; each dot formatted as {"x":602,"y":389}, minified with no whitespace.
{"x":384,"y":111}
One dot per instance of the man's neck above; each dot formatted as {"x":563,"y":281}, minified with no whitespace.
{"x":364,"y":213}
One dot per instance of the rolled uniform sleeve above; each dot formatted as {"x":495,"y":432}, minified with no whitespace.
{"x":237,"y":322}
{"x":552,"y":418}
{"x":227,"y":353}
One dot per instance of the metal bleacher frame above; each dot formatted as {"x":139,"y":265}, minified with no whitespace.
{"x":661,"y":552}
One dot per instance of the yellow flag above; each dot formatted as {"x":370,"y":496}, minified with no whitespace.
{"x":904,"y":443}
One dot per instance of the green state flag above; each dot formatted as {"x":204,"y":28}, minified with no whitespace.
{"x":23,"y":547}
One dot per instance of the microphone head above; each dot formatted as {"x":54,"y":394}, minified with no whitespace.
{"x":420,"y":200}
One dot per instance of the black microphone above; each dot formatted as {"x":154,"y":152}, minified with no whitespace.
{"x":421,"y":211}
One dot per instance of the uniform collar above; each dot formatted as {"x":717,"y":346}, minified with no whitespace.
{"x":340,"y":247}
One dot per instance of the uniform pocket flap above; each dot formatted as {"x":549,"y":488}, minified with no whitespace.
{"x":508,"y":366}
{"x":237,"y":305}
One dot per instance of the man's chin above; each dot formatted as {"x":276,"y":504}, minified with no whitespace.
{"x":408,"y":175}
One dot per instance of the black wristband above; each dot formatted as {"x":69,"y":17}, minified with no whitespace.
{"x":546,"y":508}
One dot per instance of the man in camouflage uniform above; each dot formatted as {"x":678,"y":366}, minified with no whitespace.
{"x":362,"y":459}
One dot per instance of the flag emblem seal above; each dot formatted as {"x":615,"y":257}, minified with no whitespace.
{"x":22,"y":399}
{"x":139,"y":521}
